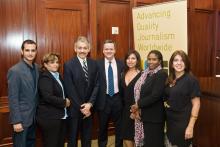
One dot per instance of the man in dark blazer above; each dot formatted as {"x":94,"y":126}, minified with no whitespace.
{"x":81,"y":85}
{"x":22,"y":95}
{"x":109,"y":105}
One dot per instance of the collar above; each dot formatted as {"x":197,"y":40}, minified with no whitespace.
{"x":28,"y":65}
{"x":55,"y":74}
{"x":112,"y":61}
{"x":81,"y":60}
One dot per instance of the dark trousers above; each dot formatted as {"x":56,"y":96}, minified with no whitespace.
{"x":53,"y":132}
{"x":113,"y":111}
{"x":153,"y":134}
{"x":80,"y":126}
{"x":26,"y":138}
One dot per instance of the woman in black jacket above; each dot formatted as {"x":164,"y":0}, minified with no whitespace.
{"x":51,"y":110}
{"x":148,"y":111}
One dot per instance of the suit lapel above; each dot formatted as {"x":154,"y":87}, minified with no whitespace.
{"x":28,"y":77}
{"x":89,"y":65}
{"x":119,"y":70}
{"x":55,"y":81}
{"x":37,"y":77}
{"x":103,"y":70}
{"x":78,"y":64}
{"x":148,"y":80}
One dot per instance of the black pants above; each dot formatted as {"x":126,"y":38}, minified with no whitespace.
{"x":76,"y":126}
{"x":53,"y":132}
{"x":113,"y":111}
{"x":26,"y":138}
{"x":153,"y":134}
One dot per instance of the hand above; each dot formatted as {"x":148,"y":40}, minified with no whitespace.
{"x":135,"y":115}
{"x":189,"y":132}
{"x":67,"y":102}
{"x":87,"y":115}
{"x":134,"y":108}
{"x":85,"y":109}
{"x":18,"y":127}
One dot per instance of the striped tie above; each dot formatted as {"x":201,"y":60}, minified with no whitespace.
{"x":110,"y":80}
{"x":85,"y":69}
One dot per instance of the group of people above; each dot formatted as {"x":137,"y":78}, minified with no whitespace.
{"x":139,"y":102}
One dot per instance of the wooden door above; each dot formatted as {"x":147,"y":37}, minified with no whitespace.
{"x":59,"y":23}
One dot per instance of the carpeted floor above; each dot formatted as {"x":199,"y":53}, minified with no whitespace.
{"x":111,"y":142}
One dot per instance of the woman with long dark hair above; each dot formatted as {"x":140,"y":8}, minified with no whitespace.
{"x":131,"y":74}
{"x":182,"y":101}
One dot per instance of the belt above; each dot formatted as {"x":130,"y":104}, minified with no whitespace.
{"x":113,"y":95}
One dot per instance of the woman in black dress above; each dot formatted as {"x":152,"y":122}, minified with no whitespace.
{"x":131,"y":74}
{"x":149,"y":90}
{"x":182,"y":101}
{"x":51,"y":110}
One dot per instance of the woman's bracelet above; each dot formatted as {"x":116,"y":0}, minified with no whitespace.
{"x":194,"y":117}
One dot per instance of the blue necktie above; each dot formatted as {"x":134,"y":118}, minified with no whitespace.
{"x":110,"y":80}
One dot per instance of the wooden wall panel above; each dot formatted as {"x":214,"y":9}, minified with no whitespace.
{"x":5,"y":127}
{"x":55,"y":23}
{"x":217,"y":55}
{"x":204,"y":4}
{"x":217,"y":4}
{"x":59,"y":25}
{"x":16,"y":25}
{"x":114,"y":14}
{"x":217,"y":65}
{"x":146,"y":2}
{"x":208,"y":124}
{"x":201,"y":43}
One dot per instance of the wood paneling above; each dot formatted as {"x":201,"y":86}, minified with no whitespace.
{"x":204,"y":4}
{"x":60,"y":23}
{"x":217,"y":39}
{"x":54,"y":24}
{"x":217,"y":4}
{"x":114,"y":14}
{"x":208,"y":125}
{"x":201,"y":43}
{"x":217,"y":66}
{"x":16,"y":25}
{"x":5,"y":127}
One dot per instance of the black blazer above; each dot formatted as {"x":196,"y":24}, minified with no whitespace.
{"x":51,"y":103}
{"x":77,"y":89}
{"x":151,"y":98}
{"x":101,"y":99}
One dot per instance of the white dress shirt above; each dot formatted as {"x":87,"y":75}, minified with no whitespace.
{"x":81,"y":61}
{"x":115,"y":74}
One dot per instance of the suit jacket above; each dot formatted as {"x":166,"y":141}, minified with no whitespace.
{"x":77,"y":88}
{"x":101,"y":99}
{"x":51,"y":99}
{"x":22,"y":94}
{"x":151,"y":98}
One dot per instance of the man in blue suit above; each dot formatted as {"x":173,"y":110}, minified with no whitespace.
{"x":81,"y":85}
{"x":22,"y":95}
{"x":109,"y":101}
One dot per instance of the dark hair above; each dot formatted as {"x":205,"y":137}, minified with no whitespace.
{"x":158,"y":54}
{"x":28,"y":41}
{"x":186,"y":61}
{"x":109,"y":41}
{"x":50,"y":57}
{"x":137,"y":55}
